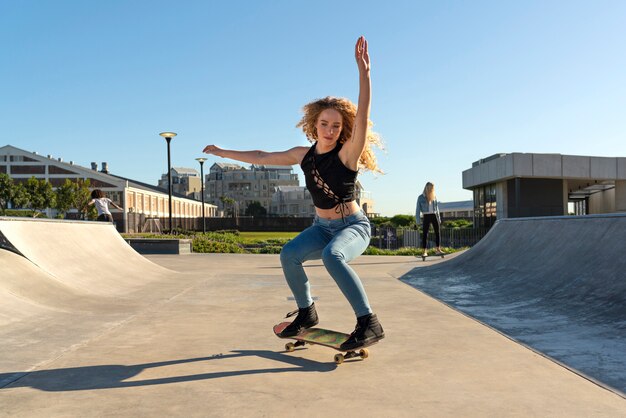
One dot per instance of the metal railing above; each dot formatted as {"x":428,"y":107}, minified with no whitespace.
{"x":394,"y":238}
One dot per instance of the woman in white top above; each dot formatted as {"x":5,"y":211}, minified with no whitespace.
{"x":102,"y":205}
{"x":428,"y":206}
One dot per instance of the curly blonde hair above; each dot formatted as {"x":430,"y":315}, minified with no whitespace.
{"x":347,"y":109}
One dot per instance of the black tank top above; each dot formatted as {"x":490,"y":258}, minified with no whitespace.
{"x":328,"y":180}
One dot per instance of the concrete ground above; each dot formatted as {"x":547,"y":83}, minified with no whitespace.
{"x":198,"y":342}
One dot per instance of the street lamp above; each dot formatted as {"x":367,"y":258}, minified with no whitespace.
{"x":168,"y":137}
{"x":201,"y":161}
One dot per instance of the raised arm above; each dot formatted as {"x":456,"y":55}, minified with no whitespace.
{"x":354,"y":146}
{"x":290,"y":157}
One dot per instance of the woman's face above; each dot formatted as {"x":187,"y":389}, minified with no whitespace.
{"x":328,"y":126}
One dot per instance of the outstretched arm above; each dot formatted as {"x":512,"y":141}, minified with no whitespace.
{"x":290,"y":157}
{"x":355,"y":145}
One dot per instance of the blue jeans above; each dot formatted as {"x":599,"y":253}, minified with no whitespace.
{"x":336,"y":242}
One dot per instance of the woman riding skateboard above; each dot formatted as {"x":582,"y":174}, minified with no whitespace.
{"x":342,"y":142}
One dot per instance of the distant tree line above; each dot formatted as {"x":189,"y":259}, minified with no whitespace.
{"x":38,"y":195}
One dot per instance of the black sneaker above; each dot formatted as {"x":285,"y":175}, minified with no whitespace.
{"x":307,"y":318}
{"x":367,"y":331}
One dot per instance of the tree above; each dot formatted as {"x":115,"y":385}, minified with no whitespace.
{"x":65,"y":197}
{"x":82,"y":197}
{"x":40,"y":195}
{"x":20,"y":196}
{"x":402,"y":220}
{"x":7,"y":190}
{"x":230,"y":202}
{"x":256,"y":209}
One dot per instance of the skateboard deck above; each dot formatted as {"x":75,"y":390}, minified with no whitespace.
{"x":321,"y":336}
{"x":434,"y":255}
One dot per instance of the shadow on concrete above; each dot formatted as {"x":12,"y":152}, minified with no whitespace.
{"x":115,"y":376}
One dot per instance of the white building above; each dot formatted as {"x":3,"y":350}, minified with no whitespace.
{"x":139,"y":201}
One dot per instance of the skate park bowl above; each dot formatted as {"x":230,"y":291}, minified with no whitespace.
{"x":89,"y":327}
{"x":555,"y":284}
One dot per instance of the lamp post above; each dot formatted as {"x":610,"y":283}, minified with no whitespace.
{"x":201,"y":161}
{"x":168,"y":137}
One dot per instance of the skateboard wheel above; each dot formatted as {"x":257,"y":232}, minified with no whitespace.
{"x":338,"y":358}
{"x":364,"y":353}
{"x":290,"y":347}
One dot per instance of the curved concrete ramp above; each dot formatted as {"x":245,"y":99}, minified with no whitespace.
{"x":87,"y":257}
{"x":557,"y":284}
{"x":26,"y":291}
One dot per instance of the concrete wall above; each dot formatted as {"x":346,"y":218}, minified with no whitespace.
{"x":601,"y":202}
{"x":544,"y":166}
{"x":620,"y":196}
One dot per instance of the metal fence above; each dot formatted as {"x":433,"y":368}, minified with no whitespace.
{"x":394,"y":238}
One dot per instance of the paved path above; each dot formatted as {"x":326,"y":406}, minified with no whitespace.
{"x":86,"y":333}
{"x":200,"y":344}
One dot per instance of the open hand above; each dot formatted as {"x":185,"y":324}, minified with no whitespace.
{"x":362,"y":56}
{"x":212,"y":149}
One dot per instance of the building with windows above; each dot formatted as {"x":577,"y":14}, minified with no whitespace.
{"x":457,"y":210}
{"x":365,"y":200}
{"x":140,"y":201}
{"x":246,"y":185}
{"x":297,"y":201}
{"x":522,"y":185}
{"x":185,"y":182}
{"x":292,"y":201}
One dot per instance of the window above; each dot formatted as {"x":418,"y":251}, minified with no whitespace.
{"x":485,"y":206}
{"x":28,"y":169}
{"x":53,"y":169}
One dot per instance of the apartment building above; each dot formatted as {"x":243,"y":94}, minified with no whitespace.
{"x":297,"y":201}
{"x":246,"y":185}
{"x":185,"y":182}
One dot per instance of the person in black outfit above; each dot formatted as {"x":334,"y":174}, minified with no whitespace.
{"x":342,"y":140}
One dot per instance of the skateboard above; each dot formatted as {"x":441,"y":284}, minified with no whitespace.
{"x":424,"y":257}
{"x":320,"y":336}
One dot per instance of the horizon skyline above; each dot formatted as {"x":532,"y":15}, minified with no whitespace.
{"x":451,"y":83}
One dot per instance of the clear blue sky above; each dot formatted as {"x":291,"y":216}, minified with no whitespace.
{"x":452,"y":81}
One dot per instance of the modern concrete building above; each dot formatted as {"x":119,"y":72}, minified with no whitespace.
{"x":522,"y":185}
{"x":140,"y":201}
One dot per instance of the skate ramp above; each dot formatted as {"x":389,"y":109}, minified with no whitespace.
{"x":557,"y":284}
{"x":85,"y":257}
{"x":27,"y":291}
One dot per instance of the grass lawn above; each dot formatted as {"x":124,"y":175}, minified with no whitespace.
{"x":249,"y":237}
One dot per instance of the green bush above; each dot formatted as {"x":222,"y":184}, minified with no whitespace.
{"x":227,"y":231}
{"x":205,"y":245}
{"x":458,"y":223}
{"x":270,"y":249}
